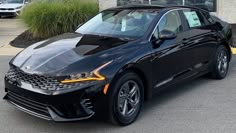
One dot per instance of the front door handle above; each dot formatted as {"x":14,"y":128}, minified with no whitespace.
{"x":184,"y":42}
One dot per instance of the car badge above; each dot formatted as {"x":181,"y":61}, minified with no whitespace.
{"x":27,"y":67}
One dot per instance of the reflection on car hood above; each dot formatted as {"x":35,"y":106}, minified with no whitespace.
{"x":59,"y":52}
{"x":3,"y":5}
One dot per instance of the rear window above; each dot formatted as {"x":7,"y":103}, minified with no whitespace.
{"x":209,"y":18}
{"x":193,"y":18}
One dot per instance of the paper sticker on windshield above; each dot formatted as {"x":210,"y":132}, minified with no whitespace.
{"x":193,"y":19}
{"x":123,"y":24}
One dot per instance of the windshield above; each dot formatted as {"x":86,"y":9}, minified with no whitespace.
{"x":119,"y":23}
{"x":13,"y":1}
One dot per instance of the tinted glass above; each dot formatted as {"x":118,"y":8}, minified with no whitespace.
{"x":170,"y":22}
{"x":209,"y":18}
{"x":119,"y":23}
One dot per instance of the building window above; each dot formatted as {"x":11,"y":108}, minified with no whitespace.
{"x":205,"y":4}
{"x":167,"y":2}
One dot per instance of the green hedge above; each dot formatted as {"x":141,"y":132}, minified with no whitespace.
{"x":54,"y":17}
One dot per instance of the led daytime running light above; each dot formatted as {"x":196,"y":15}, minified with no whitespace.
{"x":97,"y":76}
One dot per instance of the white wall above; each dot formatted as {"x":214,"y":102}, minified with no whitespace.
{"x":104,"y":4}
{"x":226,"y":10}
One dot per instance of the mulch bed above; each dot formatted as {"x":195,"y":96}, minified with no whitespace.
{"x":24,"y":40}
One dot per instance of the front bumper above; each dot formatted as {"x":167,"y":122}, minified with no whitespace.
{"x":72,"y":106}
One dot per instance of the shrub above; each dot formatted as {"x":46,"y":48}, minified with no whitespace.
{"x":49,"y":18}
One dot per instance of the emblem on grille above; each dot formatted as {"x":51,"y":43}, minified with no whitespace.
{"x":27,"y":67}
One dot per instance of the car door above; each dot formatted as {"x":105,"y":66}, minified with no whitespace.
{"x":172,"y":59}
{"x":201,"y":38}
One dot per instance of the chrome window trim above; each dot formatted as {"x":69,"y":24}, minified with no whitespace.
{"x":162,"y":18}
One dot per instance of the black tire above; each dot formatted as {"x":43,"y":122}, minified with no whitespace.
{"x":220,"y":63}
{"x":118,"y":90}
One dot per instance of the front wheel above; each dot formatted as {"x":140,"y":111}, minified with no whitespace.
{"x":221,"y":63}
{"x":126,"y":99}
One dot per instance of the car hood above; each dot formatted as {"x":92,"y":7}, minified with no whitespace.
{"x":5,"y":5}
{"x":58,"y":53}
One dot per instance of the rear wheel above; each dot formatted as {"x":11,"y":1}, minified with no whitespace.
{"x":221,"y":63}
{"x":126,"y":99}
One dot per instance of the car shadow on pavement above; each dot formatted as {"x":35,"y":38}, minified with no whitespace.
{"x":176,"y":91}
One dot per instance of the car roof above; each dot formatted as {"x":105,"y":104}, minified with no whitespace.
{"x":157,"y":7}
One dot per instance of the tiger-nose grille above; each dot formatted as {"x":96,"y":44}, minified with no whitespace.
{"x":37,"y":81}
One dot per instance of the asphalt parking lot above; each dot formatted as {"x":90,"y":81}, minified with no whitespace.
{"x":10,"y":28}
{"x":200,"y":106}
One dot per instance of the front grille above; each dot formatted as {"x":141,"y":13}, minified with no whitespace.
{"x":37,"y":81}
{"x":6,"y":8}
{"x":7,"y":14}
{"x":28,"y":104}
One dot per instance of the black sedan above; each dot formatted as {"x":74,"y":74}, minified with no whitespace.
{"x":116,"y":60}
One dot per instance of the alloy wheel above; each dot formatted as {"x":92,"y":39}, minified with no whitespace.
{"x":222,"y":62}
{"x":128,"y":98}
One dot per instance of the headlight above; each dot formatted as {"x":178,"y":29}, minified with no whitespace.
{"x":87,"y":76}
{"x":18,"y":7}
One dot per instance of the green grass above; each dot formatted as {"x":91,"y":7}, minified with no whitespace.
{"x":46,"y":19}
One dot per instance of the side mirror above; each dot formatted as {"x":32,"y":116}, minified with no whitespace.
{"x":163,"y":35}
{"x":26,"y":2}
{"x":167,"y":35}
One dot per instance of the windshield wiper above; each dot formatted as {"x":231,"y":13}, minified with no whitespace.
{"x":126,"y":39}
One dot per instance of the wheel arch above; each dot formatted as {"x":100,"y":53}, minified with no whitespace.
{"x":146,"y":83}
{"x":228,"y":48}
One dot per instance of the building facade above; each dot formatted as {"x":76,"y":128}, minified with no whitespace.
{"x":225,"y":9}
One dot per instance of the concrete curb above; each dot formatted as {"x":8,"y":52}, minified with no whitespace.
{"x":233,"y":50}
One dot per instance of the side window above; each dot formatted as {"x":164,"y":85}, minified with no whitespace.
{"x":209,"y":18}
{"x":171,"y":22}
{"x":194,"y":18}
